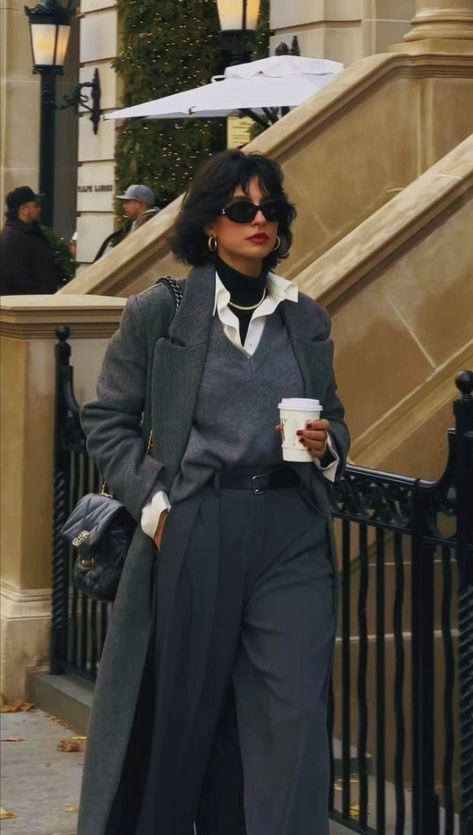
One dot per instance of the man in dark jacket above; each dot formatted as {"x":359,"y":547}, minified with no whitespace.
{"x":138,"y":207}
{"x":27,"y":262}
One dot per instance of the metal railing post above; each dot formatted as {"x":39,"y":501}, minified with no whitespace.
{"x":425,"y":818}
{"x":463,"y":410}
{"x":61,"y":481}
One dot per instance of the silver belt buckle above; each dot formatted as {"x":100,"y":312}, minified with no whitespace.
{"x":258,"y":491}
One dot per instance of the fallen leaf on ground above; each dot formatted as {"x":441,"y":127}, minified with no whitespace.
{"x":16,"y":706}
{"x":72,"y":743}
{"x":71,"y":807}
{"x":12,"y":738}
{"x":5,"y":814}
{"x":61,"y":722}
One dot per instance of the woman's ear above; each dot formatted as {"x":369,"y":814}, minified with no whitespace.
{"x":209,"y":231}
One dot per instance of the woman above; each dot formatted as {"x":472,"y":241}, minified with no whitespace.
{"x":227,"y":596}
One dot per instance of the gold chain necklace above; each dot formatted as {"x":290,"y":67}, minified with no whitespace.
{"x":251,"y":306}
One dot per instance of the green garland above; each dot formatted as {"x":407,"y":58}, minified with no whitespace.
{"x":168,"y":46}
{"x":62,"y":254}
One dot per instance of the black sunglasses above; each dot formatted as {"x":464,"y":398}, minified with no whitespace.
{"x":243,"y":211}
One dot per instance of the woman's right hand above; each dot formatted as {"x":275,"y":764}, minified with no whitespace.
{"x":160,"y":529}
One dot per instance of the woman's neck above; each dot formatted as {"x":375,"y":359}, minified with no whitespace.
{"x":243,"y":289}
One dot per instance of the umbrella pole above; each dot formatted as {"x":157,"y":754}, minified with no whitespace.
{"x":265,"y":123}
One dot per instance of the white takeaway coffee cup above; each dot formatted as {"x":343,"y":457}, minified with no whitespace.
{"x":294,"y":413}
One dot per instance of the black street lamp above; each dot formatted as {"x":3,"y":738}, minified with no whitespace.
{"x":50,"y":28}
{"x":238,"y":22}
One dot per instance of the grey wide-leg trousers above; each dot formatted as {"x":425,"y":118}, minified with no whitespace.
{"x":270,"y":632}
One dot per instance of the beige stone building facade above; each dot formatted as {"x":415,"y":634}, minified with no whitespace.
{"x":343,"y":30}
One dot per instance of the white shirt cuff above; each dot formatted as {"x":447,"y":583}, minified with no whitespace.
{"x":152,"y":511}
{"x":330,"y":471}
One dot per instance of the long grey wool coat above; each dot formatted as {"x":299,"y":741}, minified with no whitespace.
{"x":152,"y":370}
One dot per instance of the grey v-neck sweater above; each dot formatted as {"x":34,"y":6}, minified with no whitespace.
{"x":237,"y":406}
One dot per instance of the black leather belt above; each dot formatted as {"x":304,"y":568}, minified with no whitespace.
{"x":258,"y":482}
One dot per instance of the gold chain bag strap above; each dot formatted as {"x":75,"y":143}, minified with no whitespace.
{"x":100,"y":528}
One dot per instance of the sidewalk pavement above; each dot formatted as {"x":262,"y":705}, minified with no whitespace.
{"x":40,"y":785}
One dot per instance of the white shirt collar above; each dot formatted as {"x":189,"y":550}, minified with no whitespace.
{"x":278,"y":290}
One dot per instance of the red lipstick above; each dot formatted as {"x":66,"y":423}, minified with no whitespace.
{"x":260,"y":238}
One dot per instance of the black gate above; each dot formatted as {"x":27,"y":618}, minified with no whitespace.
{"x":401,"y":707}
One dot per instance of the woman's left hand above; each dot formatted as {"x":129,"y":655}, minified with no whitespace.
{"x":314,"y":437}
{"x":160,"y":529}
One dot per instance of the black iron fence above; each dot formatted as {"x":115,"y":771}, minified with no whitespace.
{"x":401,"y":707}
{"x":79,"y":624}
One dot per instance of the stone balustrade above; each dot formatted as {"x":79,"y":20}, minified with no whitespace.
{"x":27,"y":338}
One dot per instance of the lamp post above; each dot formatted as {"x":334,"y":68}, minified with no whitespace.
{"x":50,"y":27}
{"x":238,"y":22}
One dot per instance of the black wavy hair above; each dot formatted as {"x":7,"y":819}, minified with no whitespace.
{"x":211,"y":190}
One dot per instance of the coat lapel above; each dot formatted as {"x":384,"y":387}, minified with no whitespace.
{"x":191,"y":324}
{"x":177,"y":370}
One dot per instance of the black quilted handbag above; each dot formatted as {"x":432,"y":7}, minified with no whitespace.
{"x":101,"y":529}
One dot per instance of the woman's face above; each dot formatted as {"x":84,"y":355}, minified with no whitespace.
{"x":244,"y":245}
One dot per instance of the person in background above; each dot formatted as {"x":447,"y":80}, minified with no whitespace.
{"x":138,"y":207}
{"x":27,"y":259}
{"x":73,"y":246}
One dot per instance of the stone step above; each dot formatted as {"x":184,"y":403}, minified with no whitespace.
{"x":67,"y":697}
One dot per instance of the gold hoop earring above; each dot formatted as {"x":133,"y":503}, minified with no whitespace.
{"x":277,"y":244}
{"x":212,"y":243}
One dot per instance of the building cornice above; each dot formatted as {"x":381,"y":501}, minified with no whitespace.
{"x":37,"y":317}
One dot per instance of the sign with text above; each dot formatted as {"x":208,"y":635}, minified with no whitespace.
{"x":82,"y":189}
{"x":238,"y":131}
{"x":95,"y":187}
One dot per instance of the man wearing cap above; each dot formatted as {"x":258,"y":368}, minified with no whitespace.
{"x":27,"y":264}
{"x":138,"y":207}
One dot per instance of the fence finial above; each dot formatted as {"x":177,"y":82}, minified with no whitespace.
{"x":63,"y":332}
{"x":464,"y":383}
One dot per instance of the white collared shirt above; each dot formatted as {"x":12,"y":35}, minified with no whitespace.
{"x":277,"y":290}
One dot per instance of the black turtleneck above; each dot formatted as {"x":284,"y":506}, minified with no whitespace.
{"x":244,"y":289}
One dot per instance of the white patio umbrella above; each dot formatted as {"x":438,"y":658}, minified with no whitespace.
{"x":254,"y":88}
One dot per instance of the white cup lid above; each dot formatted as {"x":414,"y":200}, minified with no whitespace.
{"x":304,"y":404}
